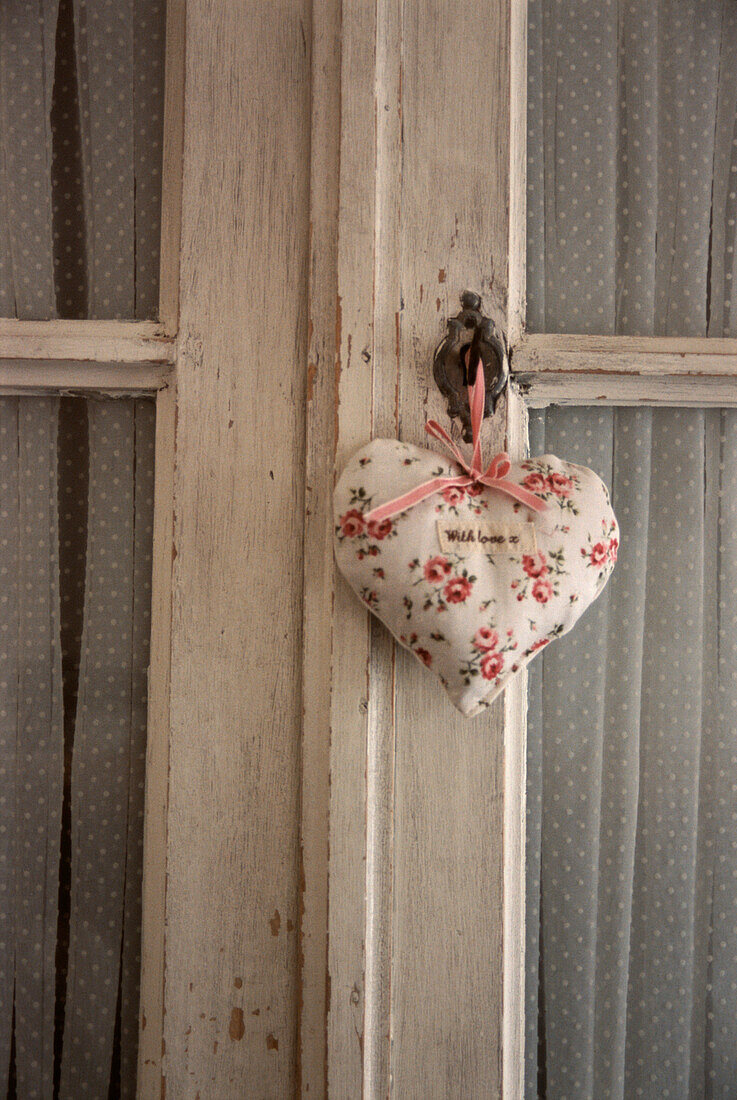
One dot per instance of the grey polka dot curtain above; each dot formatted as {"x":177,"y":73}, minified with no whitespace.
{"x":632,"y":766}
{"x":81,"y":111}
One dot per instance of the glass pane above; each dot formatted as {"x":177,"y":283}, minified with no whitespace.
{"x":82,"y":85}
{"x":76,"y":515}
{"x":632,"y":162}
{"x":632,"y":803}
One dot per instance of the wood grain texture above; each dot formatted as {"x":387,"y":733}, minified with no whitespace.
{"x":86,"y":341}
{"x":564,"y":354}
{"x":153,"y":901}
{"x":33,"y":376}
{"x":515,"y":832}
{"x":351,"y":650}
{"x":233,"y":867}
{"x":381,"y":746}
{"x":416,"y":794}
{"x":318,"y":552}
{"x":355,"y":116}
{"x":565,"y":369}
{"x":540,"y":390}
{"x":448,"y":897}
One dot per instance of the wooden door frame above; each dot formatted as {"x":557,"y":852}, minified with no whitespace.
{"x":355,"y":293}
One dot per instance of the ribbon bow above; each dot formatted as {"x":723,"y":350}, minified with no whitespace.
{"x":494,"y":476}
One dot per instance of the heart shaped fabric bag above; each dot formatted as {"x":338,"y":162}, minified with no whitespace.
{"x":473,"y":571}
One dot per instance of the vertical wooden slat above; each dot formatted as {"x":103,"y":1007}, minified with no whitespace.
{"x":352,"y":389}
{"x":380,"y":749}
{"x":351,"y":635}
{"x":232,"y":896}
{"x":153,"y":894}
{"x":318,"y":555}
{"x":449,"y":901}
{"x":171,"y":167}
{"x":417,"y":818}
{"x":515,"y":831}
{"x":144,"y":421}
{"x":516,"y":695}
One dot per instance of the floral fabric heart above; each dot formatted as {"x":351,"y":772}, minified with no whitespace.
{"x":471,"y":580}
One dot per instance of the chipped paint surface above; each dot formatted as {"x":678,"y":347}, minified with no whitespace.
{"x":237,"y":1028}
{"x":235,"y":783}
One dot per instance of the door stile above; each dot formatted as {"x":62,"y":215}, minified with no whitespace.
{"x":232,"y":892}
{"x":322,"y":412}
{"x":386,"y":370}
{"x":423,"y":951}
{"x":153,"y":901}
{"x":150,"y":1081}
{"x":348,"y":732}
{"x":515,"y":696}
{"x":362,"y":658}
{"x":451,"y":868}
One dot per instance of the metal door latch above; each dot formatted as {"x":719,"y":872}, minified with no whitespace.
{"x":470,"y":335}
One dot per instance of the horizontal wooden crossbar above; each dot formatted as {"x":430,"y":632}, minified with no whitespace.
{"x":20,"y":377}
{"x":109,"y":342}
{"x":625,"y":370}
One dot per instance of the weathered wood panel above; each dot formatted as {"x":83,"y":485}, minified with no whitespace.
{"x":448,"y":902}
{"x":556,"y":354}
{"x":593,"y":388}
{"x":417,"y":974}
{"x":86,"y":341}
{"x":232,"y":898}
{"x":153,"y":900}
{"x":569,"y":369}
{"x":318,"y":552}
{"x":29,"y":376}
{"x":351,"y":651}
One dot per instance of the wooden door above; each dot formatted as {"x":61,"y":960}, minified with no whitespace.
{"x":341,"y":858}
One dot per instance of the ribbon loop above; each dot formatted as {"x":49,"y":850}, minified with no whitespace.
{"x":495,"y":476}
{"x":499,"y":466}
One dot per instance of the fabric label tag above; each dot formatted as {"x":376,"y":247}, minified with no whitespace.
{"x":467,"y":536}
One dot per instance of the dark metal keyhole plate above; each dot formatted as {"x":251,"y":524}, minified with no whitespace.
{"x":470,"y":335}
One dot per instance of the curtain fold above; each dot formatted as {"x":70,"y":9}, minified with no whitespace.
{"x":31,"y":741}
{"x":27,"y":61}
{"x":121,"y":183}
{"x":101,"y":762}
{"x":10,"y":580}
{"x":632,"y":808}
{"x":31,"y":706}
{"x":39,"y":762}
{"x":81,"y":121}
{"x":721,"y":810}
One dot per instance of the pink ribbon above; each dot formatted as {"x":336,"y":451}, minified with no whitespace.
{"x":494,"y":476}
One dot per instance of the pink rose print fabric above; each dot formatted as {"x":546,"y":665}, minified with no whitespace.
{"x":478,"y":613}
